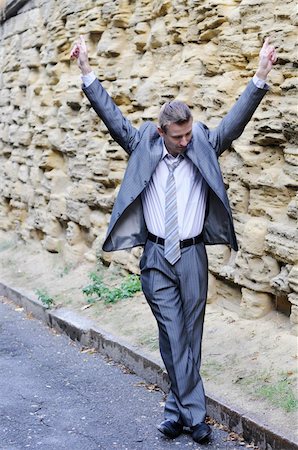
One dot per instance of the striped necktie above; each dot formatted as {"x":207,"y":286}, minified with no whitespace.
{"x":172,"y":245}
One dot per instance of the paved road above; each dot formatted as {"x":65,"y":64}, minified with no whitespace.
{"x":54,"y":395}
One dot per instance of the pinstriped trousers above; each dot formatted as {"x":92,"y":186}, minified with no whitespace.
{"x":177,"y":297}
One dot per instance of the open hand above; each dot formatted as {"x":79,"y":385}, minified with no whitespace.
{"x":267,"y":58}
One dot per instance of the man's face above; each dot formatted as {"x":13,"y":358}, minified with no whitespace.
{"x":177,"y":137}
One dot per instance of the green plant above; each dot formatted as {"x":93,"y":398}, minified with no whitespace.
{"x":149,"y":341}
{"x":45,"y":298}
{"x":65,"y":270}
{"x":279,"y":391}
{"x":130,"y":286}
{"x":98,"y":290}
{"x":280,"y":394}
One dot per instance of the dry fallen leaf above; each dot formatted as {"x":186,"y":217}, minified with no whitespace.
{"x":86,"y":307}
{"x":90,"y":351}
{"x":148,"y":386}
{"x":140,"y":384}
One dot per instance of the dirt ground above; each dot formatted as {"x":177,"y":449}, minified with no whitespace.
{"x":250,"y":365}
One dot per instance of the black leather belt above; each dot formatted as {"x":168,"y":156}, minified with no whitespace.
{"x":184,"y":243}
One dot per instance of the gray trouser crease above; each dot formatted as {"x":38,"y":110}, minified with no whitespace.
{"x":177,"y":297}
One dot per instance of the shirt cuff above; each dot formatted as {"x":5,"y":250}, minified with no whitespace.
{"x":258,"y":82}
{"x":88,"y":79}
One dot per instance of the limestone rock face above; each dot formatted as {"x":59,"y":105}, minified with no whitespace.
{"x":60,"y":170}
{"x":254,"y":304}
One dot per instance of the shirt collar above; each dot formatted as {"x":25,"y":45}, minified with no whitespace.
{"x":164,"y":150}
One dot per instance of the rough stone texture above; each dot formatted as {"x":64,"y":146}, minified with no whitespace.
{"x":254,"y":304}
{"x":61,"y":170}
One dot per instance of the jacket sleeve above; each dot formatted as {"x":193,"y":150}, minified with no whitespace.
{"x":120,"y":127}
{"x":233,"y":124}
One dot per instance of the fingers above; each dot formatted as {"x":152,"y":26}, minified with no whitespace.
{"x":75,"y":52}
{"x":267,"y":41}
{"x":266,"y":46}
{"x":268,"y":50}
{"x":82,"y":40}
{"x":80,"y":46}
{"x":273,"y":56}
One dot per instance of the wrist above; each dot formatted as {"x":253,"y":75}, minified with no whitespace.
{"x":85,"y":69}
{"x":262,"y":74}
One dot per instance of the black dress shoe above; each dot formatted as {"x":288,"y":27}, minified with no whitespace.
{"x":201,"y":433}
{"x":170,"y":428}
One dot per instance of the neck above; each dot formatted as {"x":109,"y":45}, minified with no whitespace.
{"x":175,"y":155}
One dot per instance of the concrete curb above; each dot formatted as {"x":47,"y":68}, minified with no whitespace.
{"x":83,"y":330}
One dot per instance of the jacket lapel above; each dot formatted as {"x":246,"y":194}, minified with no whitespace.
{"x":203,"y":156}
{"x":155,"y":154}
{"x":137,"y":175}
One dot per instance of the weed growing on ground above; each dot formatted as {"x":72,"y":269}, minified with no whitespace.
{"x":150,"y":341}
{"x":280,"y":394}
{"x":65,"y":270}
{"x":210,"y":367}
{"x":98,"y":290}
{"x":45,"y":298}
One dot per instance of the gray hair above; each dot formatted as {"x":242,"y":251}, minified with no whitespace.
{"x":173,"y":112}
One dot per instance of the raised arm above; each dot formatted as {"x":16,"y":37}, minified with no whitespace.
{"x":119,"y":126}
{"x":233,"y":124}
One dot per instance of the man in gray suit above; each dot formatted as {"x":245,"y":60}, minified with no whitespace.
{"x":173,"y":202}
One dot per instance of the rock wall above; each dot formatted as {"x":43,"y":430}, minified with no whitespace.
{"x":60,"y":170}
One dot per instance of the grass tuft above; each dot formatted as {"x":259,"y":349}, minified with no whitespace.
{"x":279,"y":394}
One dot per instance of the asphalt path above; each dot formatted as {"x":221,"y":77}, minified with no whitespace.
{"x":56,"y":395}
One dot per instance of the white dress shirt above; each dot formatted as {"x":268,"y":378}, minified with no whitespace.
{"x":191,"y":190}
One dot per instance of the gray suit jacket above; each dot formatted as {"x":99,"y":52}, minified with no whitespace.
{"x":127,"y":227}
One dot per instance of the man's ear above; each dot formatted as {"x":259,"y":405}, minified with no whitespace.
{"x":160,"y":131}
